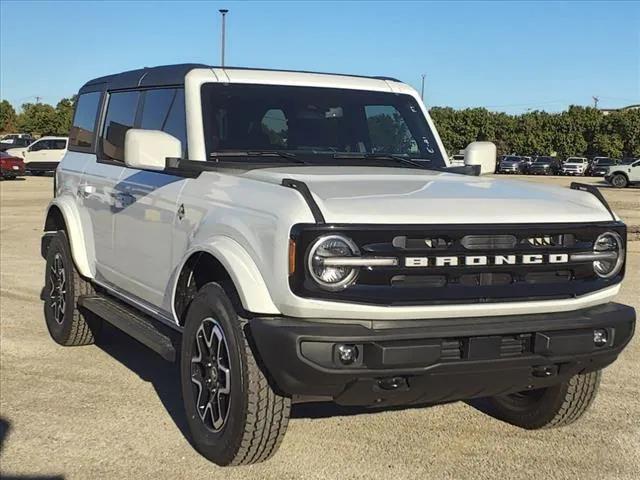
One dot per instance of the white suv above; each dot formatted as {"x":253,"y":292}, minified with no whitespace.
{"x":574,"y":166}
{"x":43,"y":155}
{"x":303,"y":237}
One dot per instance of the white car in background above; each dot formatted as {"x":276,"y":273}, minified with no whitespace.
{"x":625,"y":174}
{"x":12,"y":137}
{"x":43,"y":155}
{"x":575,"y":166}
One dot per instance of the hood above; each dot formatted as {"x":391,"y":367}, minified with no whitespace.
{"x":16,"y":152}
{"x":410,"y":196}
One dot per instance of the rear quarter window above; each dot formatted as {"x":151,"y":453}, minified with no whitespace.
{"x":83,"y":128}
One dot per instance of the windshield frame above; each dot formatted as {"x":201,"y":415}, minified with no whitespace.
{"x":432,"y":155}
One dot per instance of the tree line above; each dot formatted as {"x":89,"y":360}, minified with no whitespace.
{"x":37,"y":119}
{"x":581,"y":131}
{"x":578,"y":131}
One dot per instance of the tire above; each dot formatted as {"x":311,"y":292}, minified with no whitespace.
{"x":63,"y":285}
{"x":250,"y":419}
{"x":549,"y":407}
{"x":618,"y":180}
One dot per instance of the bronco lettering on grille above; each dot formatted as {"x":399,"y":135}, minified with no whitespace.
{"x":480,"y":260}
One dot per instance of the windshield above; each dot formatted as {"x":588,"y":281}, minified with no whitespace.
{"x":511,"y":159}
{"x":315,"y":124}
{"x":543,"y":160}
{"x":602,"y":163}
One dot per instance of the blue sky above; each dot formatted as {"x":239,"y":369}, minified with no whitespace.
{"x":505,"y":56}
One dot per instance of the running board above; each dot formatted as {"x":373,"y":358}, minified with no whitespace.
{"x":130,"y":321}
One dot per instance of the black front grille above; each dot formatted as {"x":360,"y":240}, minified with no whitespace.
{"x":454,"y":284}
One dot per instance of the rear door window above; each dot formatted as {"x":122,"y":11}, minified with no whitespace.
{"x":121,"y":116}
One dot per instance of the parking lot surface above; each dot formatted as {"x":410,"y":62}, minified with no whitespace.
{"x":113,"y":410}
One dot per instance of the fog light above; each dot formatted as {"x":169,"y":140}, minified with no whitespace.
{"x":600,"y":337}
{"x":347,"y":354}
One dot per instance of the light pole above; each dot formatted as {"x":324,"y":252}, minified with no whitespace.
{"x":224,"y":12}
{"x":422,"y":89}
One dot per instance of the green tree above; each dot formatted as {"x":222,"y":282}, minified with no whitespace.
{"x":64,"y":116}
{"x":627,"y":125}
{"x":37,"y":119}
{"x":389,"y":133}
{"x":7,"y":117}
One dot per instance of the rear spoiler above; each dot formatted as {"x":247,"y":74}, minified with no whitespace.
{"x":583,"y":187}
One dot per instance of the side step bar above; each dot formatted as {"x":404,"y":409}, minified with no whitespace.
{"x":130,"y":321}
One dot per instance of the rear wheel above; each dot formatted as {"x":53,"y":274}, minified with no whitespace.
{"x":234,"y":415}
{"x":63,"y":286}
{"x":619,"y":180}
{"x":549,"y":407}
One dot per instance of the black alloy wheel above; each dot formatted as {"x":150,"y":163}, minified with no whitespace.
{"x":211,"y":374}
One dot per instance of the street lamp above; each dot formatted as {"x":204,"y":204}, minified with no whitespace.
{"x":224,"y":12}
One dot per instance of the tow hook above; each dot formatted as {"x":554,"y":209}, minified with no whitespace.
{"x":544,"y":371}
{"x":393,"y":383}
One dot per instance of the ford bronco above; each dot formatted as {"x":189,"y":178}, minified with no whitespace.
{"x":294,"y":236}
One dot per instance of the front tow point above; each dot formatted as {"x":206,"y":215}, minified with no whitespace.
{"x":545,"y":371}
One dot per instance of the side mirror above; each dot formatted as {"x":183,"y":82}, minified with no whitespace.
{"x":149,"y":149}
{"x":482,"y":154}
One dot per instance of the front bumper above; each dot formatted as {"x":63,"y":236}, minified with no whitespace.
{"x":11,"y":172}
{"x":509,"y":169}
{"x":439,"y":360}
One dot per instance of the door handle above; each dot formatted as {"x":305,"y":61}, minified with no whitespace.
{"x":86,"y":190}
{"x":123,"y":200}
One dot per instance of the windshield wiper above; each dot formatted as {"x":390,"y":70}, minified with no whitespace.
{"x":381,"y":156}
{"x":258,"y":153}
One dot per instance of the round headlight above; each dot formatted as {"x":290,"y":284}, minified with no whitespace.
{"x":332,"y":277}
{"x":609,"y":242}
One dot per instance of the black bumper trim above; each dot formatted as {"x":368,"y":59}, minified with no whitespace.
{"x":441,"y":359}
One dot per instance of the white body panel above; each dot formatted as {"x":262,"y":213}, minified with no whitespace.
{"x":397,"y":195}
{"x":136,"y":229}
{"x":632,"y":171}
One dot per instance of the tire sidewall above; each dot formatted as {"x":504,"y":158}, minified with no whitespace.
{"x":60,"y":331}
{"x":622,"y":184}
{"x":221,"y":446}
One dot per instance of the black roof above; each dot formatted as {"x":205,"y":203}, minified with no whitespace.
{"x":166,"y":75}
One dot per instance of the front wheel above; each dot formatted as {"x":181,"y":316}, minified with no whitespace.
{"x":549,"y":407}
{"x":234,"y":415}
{"x":67,"y":324}
{"x":619,"y":181}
